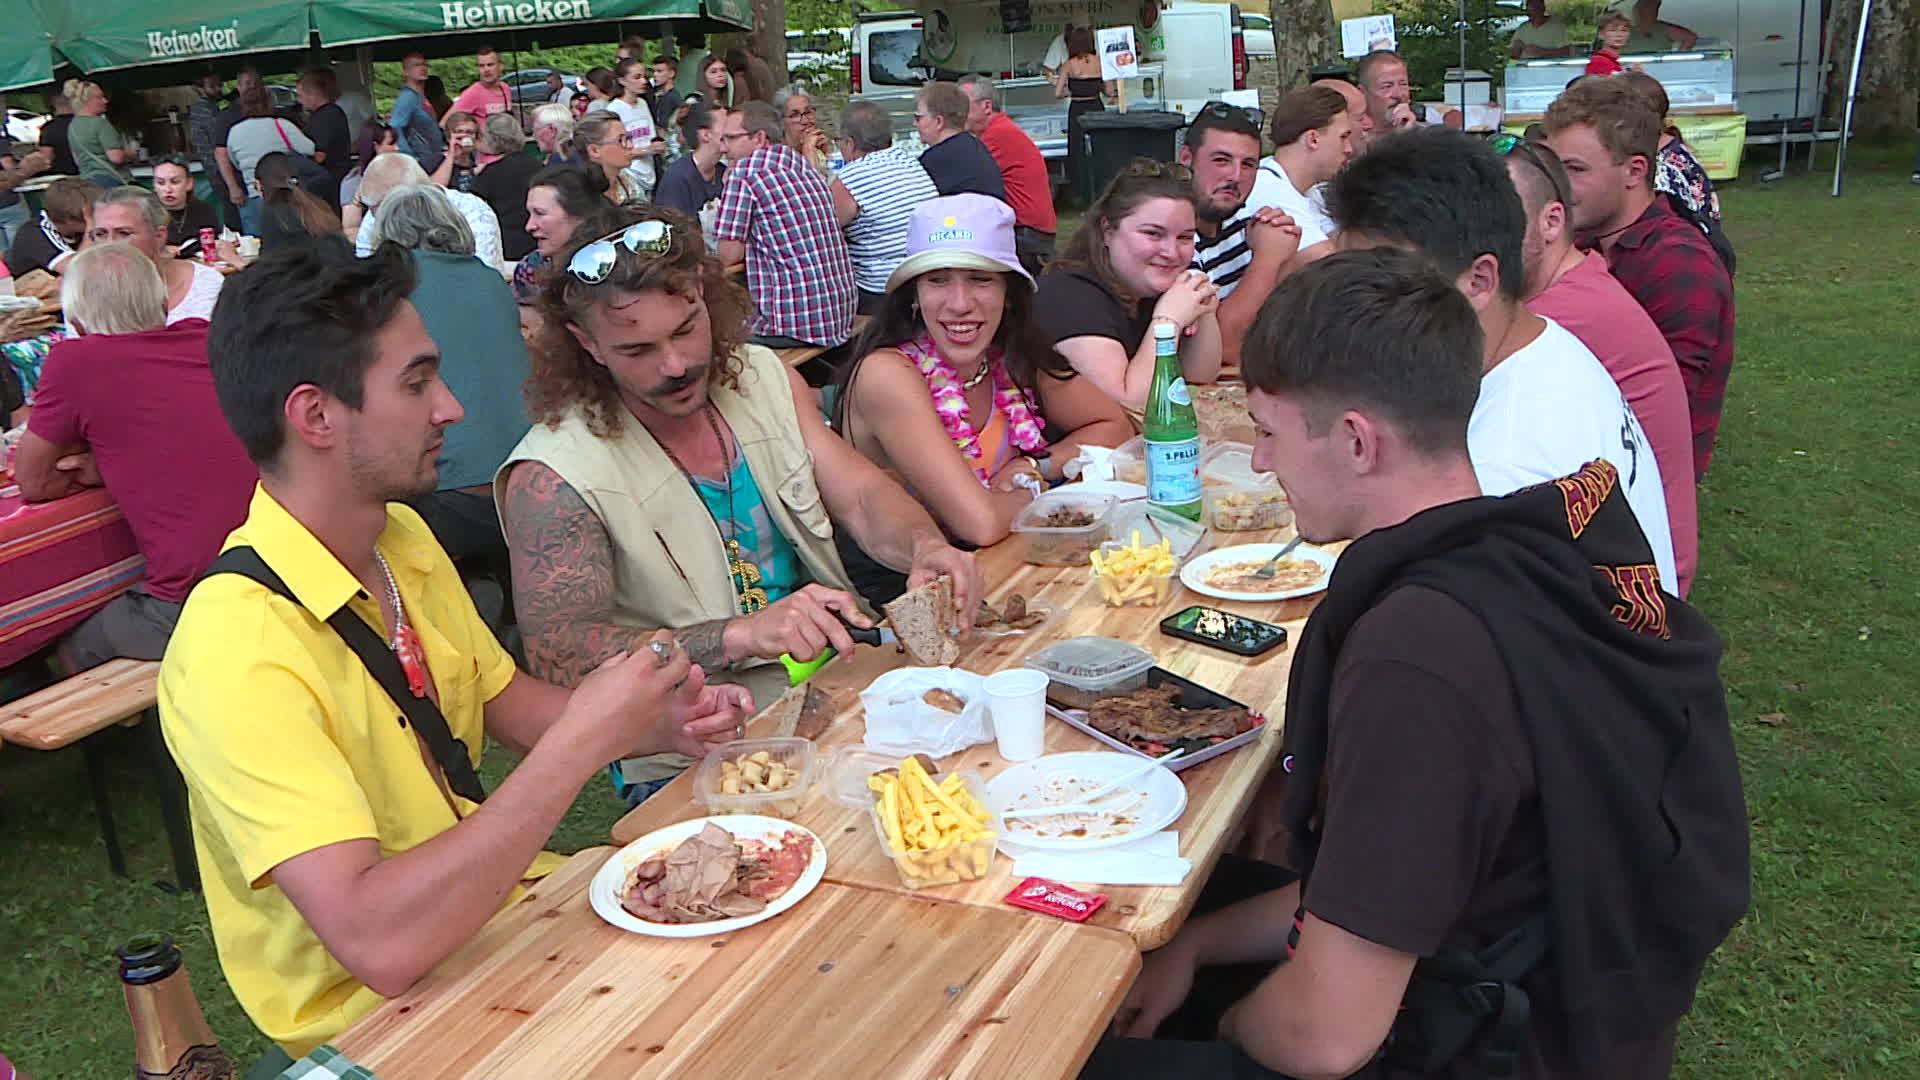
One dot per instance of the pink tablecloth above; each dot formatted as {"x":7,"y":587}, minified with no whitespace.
{"x":59,"y":562}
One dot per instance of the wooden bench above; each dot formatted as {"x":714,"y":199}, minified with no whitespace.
{"x":118,"y":693}
{"x":800,"y":354}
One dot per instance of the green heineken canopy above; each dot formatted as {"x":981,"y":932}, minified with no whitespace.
{"x":108,"y":35}
{"x":26,"y":51}
{"x":352,"y":22}
{"x":166,"y":37}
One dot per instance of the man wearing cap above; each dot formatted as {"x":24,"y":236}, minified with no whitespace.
{"x":678,"y":477}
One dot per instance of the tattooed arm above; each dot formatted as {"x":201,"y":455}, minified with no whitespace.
{"x":563,"y":582}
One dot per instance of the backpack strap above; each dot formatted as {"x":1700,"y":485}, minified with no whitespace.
{"x":1469,"y":1008}
{"x":425,"y":717}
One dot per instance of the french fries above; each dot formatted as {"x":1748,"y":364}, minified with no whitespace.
{"x":1133,"y":574}
{"x":936,"y":831}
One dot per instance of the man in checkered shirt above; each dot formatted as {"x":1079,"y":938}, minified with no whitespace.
{"x":777,"y":215}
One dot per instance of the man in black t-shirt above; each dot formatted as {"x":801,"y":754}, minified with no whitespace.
{"x":319,"y":93}
{"x":1497,"y":729}
{"x":955,"y":158}
{"x":53,"y":135}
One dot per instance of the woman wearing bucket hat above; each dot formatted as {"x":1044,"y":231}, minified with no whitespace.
{"x":953,"y":359}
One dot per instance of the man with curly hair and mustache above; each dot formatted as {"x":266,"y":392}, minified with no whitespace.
{"x":678,"y":477}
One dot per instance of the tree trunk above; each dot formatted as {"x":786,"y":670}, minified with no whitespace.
{"x":1304,"y":37}
{"x":768,"y":38}
{"x":1889,"y":70}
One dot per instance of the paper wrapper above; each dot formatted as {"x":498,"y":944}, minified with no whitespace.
{"x":899,"y":722}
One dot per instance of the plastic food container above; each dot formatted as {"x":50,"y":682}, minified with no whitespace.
{"x":968,"y":860}
{"x":1116,"y":591}
{"x":1061,"y":528}
{"x":847,"y":769}
{"x":797,"y":756}
{"x":1154,"y":524}
{"x":1237,"y":498}
{"x":1085,"y":669}
{"x":1130,"y":461}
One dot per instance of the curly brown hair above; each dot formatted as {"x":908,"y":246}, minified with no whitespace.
{"x":564,"y":376}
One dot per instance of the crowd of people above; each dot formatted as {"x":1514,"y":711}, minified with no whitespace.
{"x":1497,"y":364}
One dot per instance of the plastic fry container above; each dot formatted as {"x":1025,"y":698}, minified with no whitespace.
{"x":967,"y":860}
{"x":847,"y":769}
{"x":1188,"y":538}
{"x":1142,"y":589}
{"x":1130,"y":461}
{"x":1060,"y":528}
{"x":1239,"y":499}
{"x":797,"y":759}
{"x":1083,"y":670}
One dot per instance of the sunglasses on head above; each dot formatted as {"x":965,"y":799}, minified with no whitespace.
{"x":1506,"y":143}
{"x":1221,"y":110}
{"x":592,"y":264}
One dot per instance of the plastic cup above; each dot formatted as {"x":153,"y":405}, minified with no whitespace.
{"x":1017,"y":700}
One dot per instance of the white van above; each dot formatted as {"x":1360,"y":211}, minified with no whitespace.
{"x":1196,"y":49}
{"x":1770,"y":42}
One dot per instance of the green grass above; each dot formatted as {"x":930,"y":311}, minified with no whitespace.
{"x":1806,"y":568}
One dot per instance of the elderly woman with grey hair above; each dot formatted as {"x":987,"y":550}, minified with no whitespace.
{"x":874,"y":194}
{"x":389,"y":173}
{"x":505,"y":169}
{"x":802,"y":126}
{"x":469,"y":312}
{"x":552,"y":128}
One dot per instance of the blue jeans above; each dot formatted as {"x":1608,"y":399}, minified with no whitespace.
{"x":12,"y":220}
{"x":250,"y":216}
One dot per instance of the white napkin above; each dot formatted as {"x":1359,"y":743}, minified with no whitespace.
{"x":1153,"y":859}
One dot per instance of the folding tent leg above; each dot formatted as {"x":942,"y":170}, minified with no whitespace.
{"x":96,"y":755}
{"x":173,"y":805}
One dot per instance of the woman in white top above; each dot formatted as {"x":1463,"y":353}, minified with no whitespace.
{"x":253,"y":138}
{"x":601,"y":142}
{"x":632,"y":78}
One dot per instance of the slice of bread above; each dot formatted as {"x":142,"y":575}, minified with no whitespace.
{"x":924,"y":619}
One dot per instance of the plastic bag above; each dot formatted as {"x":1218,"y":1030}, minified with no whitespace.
{"x":899,"y":722}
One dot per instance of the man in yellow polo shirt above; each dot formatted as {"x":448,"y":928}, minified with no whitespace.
{"x":339,"y":863}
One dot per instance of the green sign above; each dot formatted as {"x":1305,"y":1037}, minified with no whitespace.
{"x":346,"y":22}
{"x":104,"y":35}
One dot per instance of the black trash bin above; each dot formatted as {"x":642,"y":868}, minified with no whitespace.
{"x":1115,"y":138}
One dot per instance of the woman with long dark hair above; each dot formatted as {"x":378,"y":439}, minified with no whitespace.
{"x":1128,"y":267}
{"x":1079,"y":81}
{"x":954,"y":359}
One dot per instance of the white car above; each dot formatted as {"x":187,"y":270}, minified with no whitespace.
{"x":1256,"y":31}
{"x":24,"y":126}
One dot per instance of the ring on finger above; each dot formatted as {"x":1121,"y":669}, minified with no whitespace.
{"x":662,"y":651}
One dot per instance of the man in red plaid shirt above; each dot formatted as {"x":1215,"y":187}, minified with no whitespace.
{"x":1608,"y":137}
{"x":777,"y":215}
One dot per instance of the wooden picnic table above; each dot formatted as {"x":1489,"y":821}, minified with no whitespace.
{"x":851,"y":981}
{"x":60,"y":561}
{"x":1218,"y":791}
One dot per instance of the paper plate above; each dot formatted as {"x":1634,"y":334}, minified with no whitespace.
{"x":1063,"y":778}
{"x":605,"y":890}
{"x":1194,"y":574}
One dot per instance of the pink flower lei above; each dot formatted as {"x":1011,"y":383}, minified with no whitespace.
{"x":950,"y":401}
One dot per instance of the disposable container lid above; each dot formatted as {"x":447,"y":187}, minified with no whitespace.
{"x":1231,"y":464}
{"x":1091,"y":663}
{"x":847,"y":772}
{"x":1032,"y":519}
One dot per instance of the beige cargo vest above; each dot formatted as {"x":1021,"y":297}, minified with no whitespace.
{"x":670,"y":565}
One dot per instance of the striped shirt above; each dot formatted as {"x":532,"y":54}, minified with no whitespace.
{"x":1224,"y":256}
{"x":887,"y":184}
